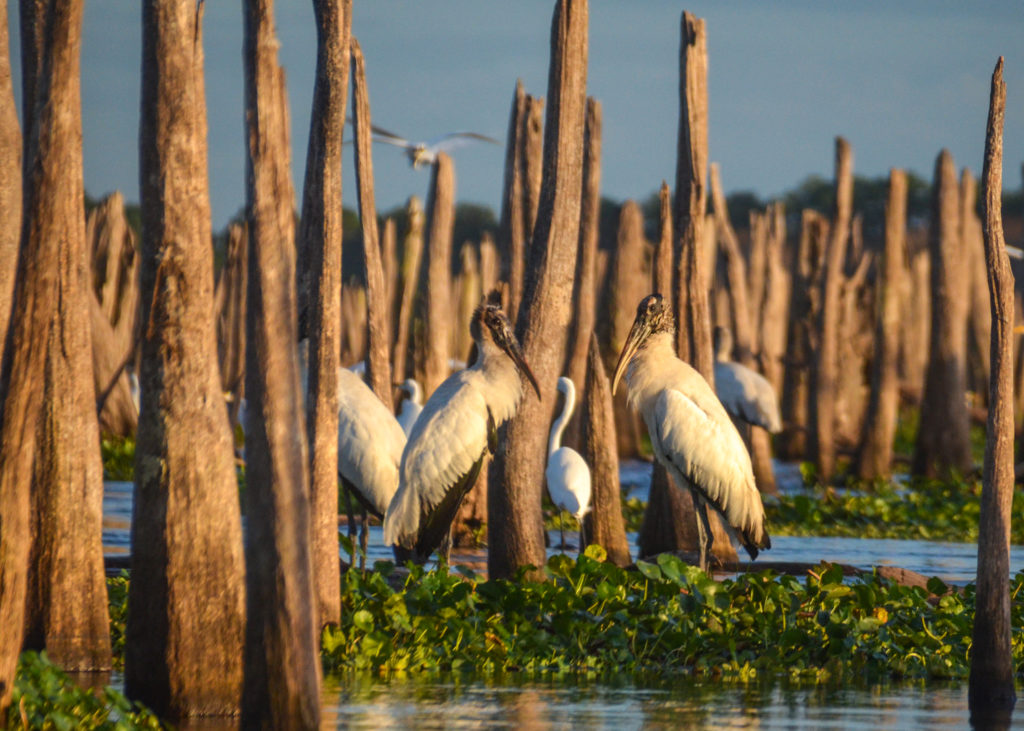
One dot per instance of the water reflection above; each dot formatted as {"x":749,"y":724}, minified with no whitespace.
{"x":629,"y":704}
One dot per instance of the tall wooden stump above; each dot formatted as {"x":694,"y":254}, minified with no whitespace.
{"x":515,"y":529}
{"x":875,"y":457}
{"x":943,"y":440}
{"x":320,"y":238}
{"x":991,"y":693}
{"x":412,"y":254}
{"x":10,"y":182}
{"x":438,"y":277}
{"x":282,"y":664}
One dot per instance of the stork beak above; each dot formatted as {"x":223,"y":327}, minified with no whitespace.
{"x":637,"y":334}
{"x":517,"y":357}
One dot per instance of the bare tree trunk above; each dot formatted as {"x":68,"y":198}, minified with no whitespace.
{"x":389,"y":263}
{"x":511,"y":232}
{"x":804,"y":305}
{"x":773,"y":314}
{"x":585,"y":295}
{"x":855,"y":341}
{"x":916,"y":329}
{"x":320,"y":238}
{"x":604,"y":525}
{"x":113,"y":311}
{"x":51,"y":238}
{"x":378,"y":338}
{"x":664,"y":263}
{"x":757,"y":265}
{"x":736,"y":272}
{"x":231,"y":296}
{"x":875,"y":457}
{"x":991,"y":694}
{"x":516,"y":530}
{"x":467,"y":288}
{"x":532,"y":166}
{"x":943,"y":442}
{"x":353,"y":323}
{"x":979,"y":316}
{"x":824,"y":374}
{"x":412,"y":254}
{"x":66,"y":612}
{"x":490,"y":264}
{"x":282,"y":668}
{"x":438,"y":276}
{"x":186,"y":598}
{"x":10,"y":182}
{"x":629,"y":282}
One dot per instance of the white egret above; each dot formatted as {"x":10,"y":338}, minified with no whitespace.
{"x":567,"y":474}
{"x":744,"y":393}
{"x":412,"y":406}
{"x":691,"y":433}
{"x":447,"y":445}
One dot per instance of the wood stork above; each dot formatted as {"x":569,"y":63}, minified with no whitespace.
{"x":744,"y":393}
{"x":423,"y":154}
{"x":412,"y":406}
{"x":447,"y":446}
{"x":567,"y":474}
{"x":370,"y":444}
{"x":691,"y":434}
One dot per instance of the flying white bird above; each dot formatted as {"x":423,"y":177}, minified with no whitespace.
{"x":370,"y":444}
{"x":691,"y":434}
{"x":744,"y":393}
{"x":447,"y":446}
{"x":567,"y":473}
{"x":412,"y":406}
{"x":422,"y":154}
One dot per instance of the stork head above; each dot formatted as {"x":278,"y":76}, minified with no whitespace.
{"x":489,"y":325}
{"x":652,"y":316}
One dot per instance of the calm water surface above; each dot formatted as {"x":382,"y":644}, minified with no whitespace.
{"x":371,"y":703}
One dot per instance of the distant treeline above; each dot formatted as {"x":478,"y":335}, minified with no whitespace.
{"x":473,"y":220}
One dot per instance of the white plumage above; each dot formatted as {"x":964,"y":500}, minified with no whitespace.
{"x":567,"y":474}
{"x":421,"y":154}
{"x":412,"y":406}
{"x":370,"y":443}
{"x":447,"y":444}
{"x":691,"y":433}
{"x":744,"y":393}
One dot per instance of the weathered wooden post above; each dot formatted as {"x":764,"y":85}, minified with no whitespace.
{"x":231,"y":296}
{"x":875,"y":456}
{"x":603,"y":524}
{"x":282,"y":668}
{"x":10,"y":182}
{"x":991,"y":693}
{"x":824,"y":374}
{"x":515,"y":529}
{"x":943,"y":439}
{"x":979,"y":316}
{"x":320,"y":237}
{"x":412,"y":254}
{"x":187,"y":598}
{"x":773,"y":314}
{"x":378,"y":327}
{"x":438,"y":276}
{"x":511,"y":231}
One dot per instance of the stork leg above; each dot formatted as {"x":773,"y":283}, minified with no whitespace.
{"x":351,"y":517}
{"x":561,"y":532}
{"x":704,"y":535}
{"x":446,"y":547}
{"x":583,"y":536}
{"x":364,"y":532}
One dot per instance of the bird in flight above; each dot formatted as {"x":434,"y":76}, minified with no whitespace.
{"x":423,"y":154}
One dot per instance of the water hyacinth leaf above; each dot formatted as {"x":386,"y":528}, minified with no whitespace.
{"x":596,"y":552}
{"x":672,"y":567}
{"x":650,"y":570}
{"x":363,"y":620}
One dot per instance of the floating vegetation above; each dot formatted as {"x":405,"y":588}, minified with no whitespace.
{"x":118,"y":455}
{"x":45,"y":697}
{"x":592,"y":617}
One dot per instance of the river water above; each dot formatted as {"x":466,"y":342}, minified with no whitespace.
{"x":632,"y":703}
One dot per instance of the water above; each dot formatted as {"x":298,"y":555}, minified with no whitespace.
{"x":630,"y":703}
{"x":683,"y":703}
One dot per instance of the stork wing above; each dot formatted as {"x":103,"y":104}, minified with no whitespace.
{"x":701,"y":443}
{"x":747,"y":395}
{"x":452,"y":140}
{"x":370,"y":442}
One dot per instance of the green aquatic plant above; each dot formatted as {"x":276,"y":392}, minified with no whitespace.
{"x":118,"y":455}
{"x":45,"y":697}
{"x":928,"y":510}
{"x":592,"y":617}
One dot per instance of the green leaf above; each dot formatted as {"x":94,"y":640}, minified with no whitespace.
{"x":650,"y":570}
{"x":363,"y":620}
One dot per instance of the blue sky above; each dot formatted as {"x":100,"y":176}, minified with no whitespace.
{"x":900,"y":80}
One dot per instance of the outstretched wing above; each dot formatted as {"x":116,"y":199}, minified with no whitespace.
{"x":453,"y":140}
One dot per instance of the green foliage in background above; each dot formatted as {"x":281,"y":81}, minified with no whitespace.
{"x":46,"y":698}
{"x":594,"y":618}
{"x":118,"y":458}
